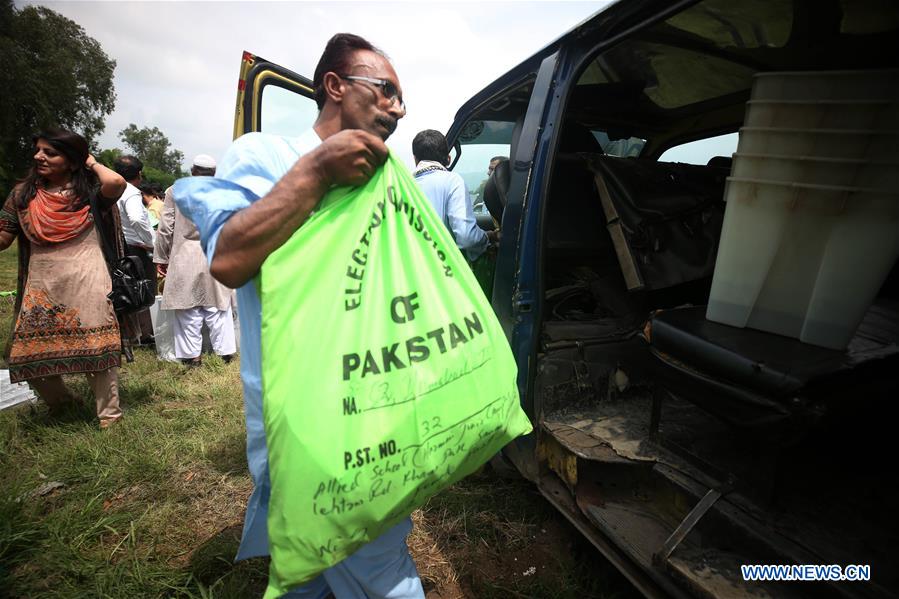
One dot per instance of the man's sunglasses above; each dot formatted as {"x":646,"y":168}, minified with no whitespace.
{"x":388,"y":89}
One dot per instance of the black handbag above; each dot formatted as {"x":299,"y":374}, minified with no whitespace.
{"x":131,"y":291}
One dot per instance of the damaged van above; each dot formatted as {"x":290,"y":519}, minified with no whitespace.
{"x":700,"y":225}
{"x":680,"y":180}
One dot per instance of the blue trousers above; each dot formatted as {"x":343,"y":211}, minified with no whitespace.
{"x":382,"y":569}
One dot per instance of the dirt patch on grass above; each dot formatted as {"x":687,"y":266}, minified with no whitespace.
{"x":490,"y":537}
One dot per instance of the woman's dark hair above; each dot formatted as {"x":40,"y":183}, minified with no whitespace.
{"x":430,"y":144}
{"x":75,"y":149}
{"x":336,"y":58}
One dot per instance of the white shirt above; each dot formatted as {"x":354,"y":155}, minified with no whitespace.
{"x":135,"y":218}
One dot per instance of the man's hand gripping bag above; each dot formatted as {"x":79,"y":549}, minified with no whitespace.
{"x":386,"y":375}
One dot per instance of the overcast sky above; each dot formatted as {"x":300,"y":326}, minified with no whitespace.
{"x":177,"y":62}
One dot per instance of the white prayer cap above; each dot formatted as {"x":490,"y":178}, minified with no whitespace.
{"x":204,"y":161}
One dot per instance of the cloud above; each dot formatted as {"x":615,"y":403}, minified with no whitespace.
{"x":177,"y":62}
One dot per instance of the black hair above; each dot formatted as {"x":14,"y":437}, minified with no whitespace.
{"x":430,"y":144}
{"x":151,"y":189}
{"x":75,"y":148}
{"x":202,"y":171}
{"x":129,"y":167}
{"x":497,"y":158}
{"x":336,"y":59}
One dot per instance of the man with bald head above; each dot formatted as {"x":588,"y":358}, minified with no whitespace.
{"x":271,"y":185}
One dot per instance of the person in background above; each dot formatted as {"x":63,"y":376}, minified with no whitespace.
{"x":447,"y":194}
{"x":138,"y":239}
{"x":493,"y":162}
{"x":265,"y":188}
{"x":491,"y":166}
{"x":64,"y":323}
{"x":150,"y":193}
{"x":190,"y":290}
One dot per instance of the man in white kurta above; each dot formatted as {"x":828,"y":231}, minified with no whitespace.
{"x":190,"y":290}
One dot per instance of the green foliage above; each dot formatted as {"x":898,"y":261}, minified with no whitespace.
{"x":157,"y":177}
{"x":53,"y":74}
{"x":152,"y":147}
{"x":108,"y":157}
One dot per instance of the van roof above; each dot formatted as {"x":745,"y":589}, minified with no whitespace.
{"x":608,"y":22}
{"x":663,"y":71}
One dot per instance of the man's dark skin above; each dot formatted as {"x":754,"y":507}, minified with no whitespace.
{"x":353,"y":123}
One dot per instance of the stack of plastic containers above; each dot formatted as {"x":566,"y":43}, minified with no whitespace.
{"x":811,"y":228}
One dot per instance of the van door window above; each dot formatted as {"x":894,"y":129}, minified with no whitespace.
{"x":286,"y":112}
{"x":481,"y":142}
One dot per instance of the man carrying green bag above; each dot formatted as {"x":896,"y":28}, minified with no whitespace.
{"x":384,"y":380}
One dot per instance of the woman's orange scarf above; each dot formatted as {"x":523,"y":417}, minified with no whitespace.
{"x":50,"y":219}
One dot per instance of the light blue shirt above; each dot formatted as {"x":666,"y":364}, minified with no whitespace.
{"x":247,"y":172}
{"x":447,"y":194}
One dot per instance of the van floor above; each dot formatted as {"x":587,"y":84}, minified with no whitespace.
{"x":830,"y":493}
{"x":623,"y":425}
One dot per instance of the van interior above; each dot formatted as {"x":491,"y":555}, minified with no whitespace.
{"x":695,"y":446}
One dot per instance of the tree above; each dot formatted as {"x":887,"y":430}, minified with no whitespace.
{"x":159,"y":178}
{"x":53,"y":74}
{"x":108,"y":157}
{"x":152,"y":147}
{"x":151,"y":174}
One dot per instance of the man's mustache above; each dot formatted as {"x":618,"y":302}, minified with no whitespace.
{"x":388,"y":123}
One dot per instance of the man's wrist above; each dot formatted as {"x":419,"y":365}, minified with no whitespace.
{"x":314,"y":171}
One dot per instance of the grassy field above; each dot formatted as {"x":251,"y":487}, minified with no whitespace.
{"x":8,"y":266}
{"x":153,"y":507}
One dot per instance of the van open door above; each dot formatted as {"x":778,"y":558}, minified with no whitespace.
{"x":272,"y":99}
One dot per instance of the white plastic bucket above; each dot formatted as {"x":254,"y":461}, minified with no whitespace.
{"x":827,"y":114}
{"x":803,"y":261}
{"x":862,"y":174}
{"x":822,"y":143}
{"x":827,"y":85}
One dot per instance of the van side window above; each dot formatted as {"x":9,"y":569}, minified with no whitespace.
{"x":702,"y":150}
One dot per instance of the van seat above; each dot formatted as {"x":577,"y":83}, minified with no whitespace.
{"x":748,"y":377}
{"x":664,"y":218}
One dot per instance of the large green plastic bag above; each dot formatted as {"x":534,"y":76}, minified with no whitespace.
{"x":386,"y":375}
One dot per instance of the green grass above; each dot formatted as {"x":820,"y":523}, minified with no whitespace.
{"x":9,"y":264}
{"x":150,"y":508}
{"x":8,"y":268}
{"x":153,"y":507}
